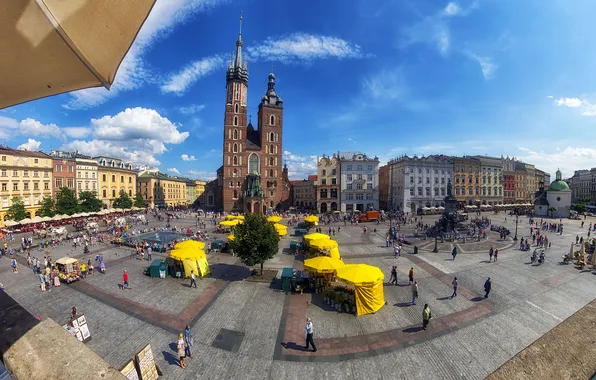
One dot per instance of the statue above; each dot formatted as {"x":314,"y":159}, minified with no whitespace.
{"x":449,"y":188}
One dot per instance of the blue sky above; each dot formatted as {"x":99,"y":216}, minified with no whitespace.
{"x":496,"y":77}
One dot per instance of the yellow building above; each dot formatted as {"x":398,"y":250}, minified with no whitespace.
{"x":191,"y":191}
{"x":115,"y":175}
{"x":466,"y":186}
{"x":161,"y":190}
{"x":24,"y":174}
{"x":200,"y":188}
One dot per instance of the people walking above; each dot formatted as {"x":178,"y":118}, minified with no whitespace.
{"x":454,"y":252}
{"x":496,"y":255}
{"x":393,"y":275}
{"x":309,"y":335}
{"x":188,"y":342}
{"x":414,"y":292}
{"x":490,"y":254}
{"x":125,"y":280}
{"x":487,"y":286}
{"x":181,"y":351}
{"x":193,"y":279}
{"x":454,"y":283}
{"x":426,"y":316}
{"x":411,"y":276}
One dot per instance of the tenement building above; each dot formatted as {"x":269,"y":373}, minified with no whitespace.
{"x":115,"y":176}
{"x":582,"y":186}
{"x":491,"y":180}
{"x":87,"y":177}
{"x":359,"y":183}
{"x":304,"y":193}
{"x":328,"y":176}
{"x":252,"y":177}
{"x":64,"y":171}
{"x":161,"y":190}
{"x":466,"y":187}
{"x":418,"y":182}
{"x":525,"y":183}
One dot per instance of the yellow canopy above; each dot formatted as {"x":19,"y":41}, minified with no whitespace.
{"x":323,"y":264}
{"x":231,"y":237}
{"x":199,"y":267}
{"x":323,"y":244}
{"x":230,"y":223}
{"x":316,"y":236}
{"x":274,"y":218}
{"x":311,"y":219}
{"x":369,"y":298}
{"x":235,"y":217}
{"x":281,"y":229}
{"x":53,"y":47}
{"x":187,"y":253}
{"x":334,"y":253}
{"x":190,"y":244}
{"x":360,"y":274}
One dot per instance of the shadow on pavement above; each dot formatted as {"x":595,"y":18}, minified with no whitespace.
{"x":443,"y":298}
{"x":293,"y":346}
{"x":229,"y":272}
{"x":403,"y":304}
{"x":412,"y":329}
{"x":170,"y":358}
{"x":477,"y":299}
{"x":318,"y":301}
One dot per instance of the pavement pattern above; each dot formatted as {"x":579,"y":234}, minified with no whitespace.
{"x":254,"y":331}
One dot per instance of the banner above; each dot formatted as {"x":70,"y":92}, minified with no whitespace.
{"x":147,"y":368}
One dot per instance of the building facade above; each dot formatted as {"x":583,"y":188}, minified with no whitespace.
{"x":555,"y":201}
{"x":200,"y":187}
{"x":304,"y":193}
{"x":115,"y":175}
{"x":581,"y":186}
{"x":542,"y":180}
{"x":191,"y":191}
{"x":384,"y":187}
{"x":491,"y":180}
{"x":161,"y":190}
{"x":418,"y":182}
{"x":359,"y":182}
{"x":87,"y":175}
{"x":64,"y":167}
{"x":251,"y":178}
{"x":27,"y":175}
{"x":525,"y":182}
{"x":328,"y":178}
{"x":467,"y":177}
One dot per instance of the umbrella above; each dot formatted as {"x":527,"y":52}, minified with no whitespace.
{"x":274,"y":218}
{"x":571,"y":252}
{"x":231,"y":237}
{"x":316,"y":236}
{"x":37,"y":219}
{"x":323,"y":264}
{"x":11,"y":223}
{"x":281,"y":229}
{"x":311,"y":219}
{"x":230,"y":223}
{"x":582,"y":252}
{"x":190,"y":244}
{"x":187,"y":253}
{"x":52,"y":47}
{"x":323,"y":244}
{"x":46,"y":219}
{"x":25,"y":221}
{"x":360,"y":274}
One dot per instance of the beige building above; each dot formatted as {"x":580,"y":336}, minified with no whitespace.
{"x":115,"y":175}
{"x":304,"y":193}
{"x":161,"y":190}
{"x":87,"y":175}
{"x":24,"y":174}
{"x":328,"y":177}
{"x":525,"y":183}
{"x":191,"y":191}
{"x":200,"y":187}
{"x":466,"y":178}
{"x":491,"y":180}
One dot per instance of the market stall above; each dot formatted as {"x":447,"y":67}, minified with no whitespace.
{"x":68,"y":269}
{"x":326,"y":247}
{"x":274,"y":219}
{"x":190,"y":244}
{"x":281,"y":229}
{"x":368,"y":286}
{"x":316,"y":236}
{"x":323,"y":271}
{"x":191,"y":259}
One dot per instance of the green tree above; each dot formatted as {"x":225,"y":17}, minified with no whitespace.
{"x":17,"y":211}
{"x":89,"y":201}
{"x":552,"y":210}
{"x":123,"y":200}
{"x":256,"y":240}
{"x":48,"y":208}
{"x":139,"y":201}
{"x":581,"y":208}
{"x":66,"y":202}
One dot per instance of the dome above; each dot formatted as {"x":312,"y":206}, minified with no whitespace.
{"x":558,"y":185}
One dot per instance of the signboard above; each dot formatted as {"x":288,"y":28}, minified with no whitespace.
{"x":85,"y":334}
{"x":130,"y":371}
{"x":147,"y":368}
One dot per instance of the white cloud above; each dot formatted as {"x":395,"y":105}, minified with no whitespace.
{"x":486,"y":64}
{"x":31,"y":145}
{"x":173,"y":170}
{"x":385,"y":86}
{"x":205,"y":176}
{"x":76,"y":132}
{"x":303,"y":47}
{"x":186,"y":157}
{"x":136,"y":155}
{"x":191,"y":109}
{"x":300,"y":167}
{"x":10,"y":127}
{"x":588,"y":108}
{"x":133,"y":72}
{"x":452,"y":9}
{"x":179,"y":82}
{"x":567,"y":160}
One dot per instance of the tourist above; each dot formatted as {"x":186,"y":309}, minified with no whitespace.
{"x":42,"y":281}
{"x":411,"y":276}
{"x":496,"y":254}
{"x":393,"y":279}
{"x":188,"y":342}
{"x":181,"y":350}
{"x":487,"y":286}
{"x":125,"y":280}
{"x":454,"y":252}
{"x":454,"y":283}
{"x":13,"y":264}
{"x":490,"y":254}
{"x":426,"y":316}
{"x":414,"y":292}
{"x":309,"y":334}
{"x":149,"y":251}
{"x":83,"y":270}
{"x":193,"y":279}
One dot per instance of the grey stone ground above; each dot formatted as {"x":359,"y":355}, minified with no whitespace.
{"x":527,"y":302}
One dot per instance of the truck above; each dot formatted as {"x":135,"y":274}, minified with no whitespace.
{"x":369,"y":216}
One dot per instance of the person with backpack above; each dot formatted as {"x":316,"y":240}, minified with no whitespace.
{"x":426,"y":316}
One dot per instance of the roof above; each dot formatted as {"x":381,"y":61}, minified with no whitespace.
{"x":23,"y":153}
{"x":541,"y":199}
{"x":558,"y":185}
{"x":312,"y":177}
{"x":253,"y":140}
{"x":162,"y":176}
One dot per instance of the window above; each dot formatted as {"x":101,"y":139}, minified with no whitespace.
{"x":129,"y":179}
{"x":121,"y":179}
{"x":35,"y":173}
{"x":25,"y":173}
{"x":26,"y":186}
{"x":113,"y":193}
{"x":333,"y":193}
{"x":26,"y":201}
{"x":105,"y":193}
{"x":58,"y":168}
{"x":427,"y":180}
{"x":349,"y":177}
{"x":3,"y":172}
{"x":270,"y":172}
{"x":369,"y":197}
{"x":235,"y":134}
{"x":253,"y":164}
{"x":333,"y":172}
{"x":271,"y":161}
{"x":15,"y":173}
{"x":70,"y":168}
{"x":103,"y":177}
{"x":324,"y":172}
{"x":235,"y":150}
{"x":113,"y":178}
{"x":369,"y":186}
{"x":271,"y":149}
{"x":15,"y":187}
{"x":349,"y":168}
{"x":236,"y":120}
{"x":58,"y":183}
{"x":4,"y":187}
{"x":370,"y":168}
{"x":349,"y":186}
{"x":236,"y":109}
{"x":129,"y":192}
{"x":359,"y":186}
{"x":272,"y":137}
{"x":323,"y":181}
{"x":323,"y":193}
{"x":411,"y":179}
{"x":333,"y":181}
{"x":272,"y":120}
{"x":36,"y":200}
{"x":359,"y":197}
{"x":4,"y":200}
{"x":411,"y":191}
{"x":420,"y":191}
{"x":3,"y":158}
{"x":46,"y":186}
{"x":359,"y":168}
{"x":369,"y":177}
{"x":359,"y":177}
{"x":350,"y":197}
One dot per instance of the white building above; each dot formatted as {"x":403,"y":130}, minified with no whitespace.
{"x":417,"y":182}
{"x":359,"y":182}
{"x":556,"y":201}
{"x":87,"y":177}
{"x":581,"y":186}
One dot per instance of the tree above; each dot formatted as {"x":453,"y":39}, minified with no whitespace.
{"x":139,"y":201}
{"x":48,"y":208}
{"x":17,"y":211}
{"x":123,"y":200}
{"x":89,"y":201}
{"x":256,"y":240}
{"x":66,"y":202}
{"x":552,"y":211}
{"x":581,"y":208}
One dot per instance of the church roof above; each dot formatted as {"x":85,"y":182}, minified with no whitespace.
{"x":558,"y":185}
{"x":253,"y":140}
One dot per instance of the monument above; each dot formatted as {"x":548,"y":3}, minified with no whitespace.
{"x":449,"y":220}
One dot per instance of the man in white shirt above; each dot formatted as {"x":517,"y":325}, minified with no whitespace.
{"x":309,"y":332}
{"x":193,"y":279}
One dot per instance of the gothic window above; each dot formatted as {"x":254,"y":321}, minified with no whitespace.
{"x":271,"y":150}
{"x":235,"y":120}
{"x":237,"y":92}
{"x":235,"y":194}
{"x":235,"y":160}
{"x":270,"y":161}
{"x":235,"y":148}
{"x":238,"y":184}
{"x":236,"y":107}
{"x":270,"y":172}
{"x":272,"y":121}
{"x":235,"y":133}
{"x":272,"y":138}
{"x":253,"y":164}
{"x":235,"y":172}
{"x":231,"y":184}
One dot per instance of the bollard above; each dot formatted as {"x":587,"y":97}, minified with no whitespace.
{"x":415,"y":249}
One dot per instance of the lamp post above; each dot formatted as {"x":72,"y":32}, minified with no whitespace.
{"x":516,"y":220}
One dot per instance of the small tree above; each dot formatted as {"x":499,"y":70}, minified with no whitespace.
{"x":89,"y":201}
{"x":66,"y":202}
{"x":581,"y":208}
{"x":17,"y":211}
{"x":47,"y":208}
{"x":552,"y":210}
{"x":256,"y":240}
{"x":123,"y":200}
{"x":139,"y":201}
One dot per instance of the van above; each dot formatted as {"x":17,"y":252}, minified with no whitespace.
{"x":369,"y":216}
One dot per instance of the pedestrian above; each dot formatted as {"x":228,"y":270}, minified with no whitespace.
{"x":496,"y":254}
{"x":411,"y":276}
{"x":309,"y":333}
{"x":454,"y":252}
{"x":149,"y":251}
{"x":188,"y":342}
{"x":73,"y":313}
{"x":393,"y":275}
{"x":487,"y":286}
{"x":193,"y":279}
{"x":490,"y":254}
{"x":181,"y":351}
{"x":426,"y":316}
{"x":125,"y":280}
{"x":454,"y":283}
{"x":414,"y":292}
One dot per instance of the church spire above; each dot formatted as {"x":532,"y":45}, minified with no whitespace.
{"x":238,"y":61}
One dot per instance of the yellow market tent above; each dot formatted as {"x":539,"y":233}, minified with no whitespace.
{"x":323,"y":264}
{"x":193,"y":260}
{"x":187,"y":253}
{"x":311,"y":219}
{"x":368,"y":284}
{"x":323,"y":243}
{"x":231,"y":237}
{"x":334,"y":253}
{"x":281,"y":229}
{"x":230,"y":223}
{"x":190,"y":244}
{"x":316,"y":236}
{"x":235,"y":217}
{"x":274,"y":219}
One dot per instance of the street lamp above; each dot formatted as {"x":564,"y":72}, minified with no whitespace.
{"x":436,"y":249}
{"x":516,"y":220}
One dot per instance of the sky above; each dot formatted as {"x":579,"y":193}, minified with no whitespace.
{"x":494,"y":77}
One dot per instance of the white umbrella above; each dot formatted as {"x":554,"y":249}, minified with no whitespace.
{"x":37,"y":219}
{"x":46,"y":219}
{"x":11,"y":223}
{"x":58,"y":217}
{"x":25,"y":221}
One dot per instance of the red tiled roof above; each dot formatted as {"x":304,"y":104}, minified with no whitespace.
{"x":23,"y":153}
{"x":312,"y":177}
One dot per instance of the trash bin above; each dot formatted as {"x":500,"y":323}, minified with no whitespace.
{"x":287,"y":276}
{"x":155,"y":267}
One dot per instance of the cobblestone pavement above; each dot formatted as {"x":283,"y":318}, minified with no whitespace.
{"x":239,"y":326}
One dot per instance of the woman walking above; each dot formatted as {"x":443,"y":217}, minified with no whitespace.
{"x":181,"y":350}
